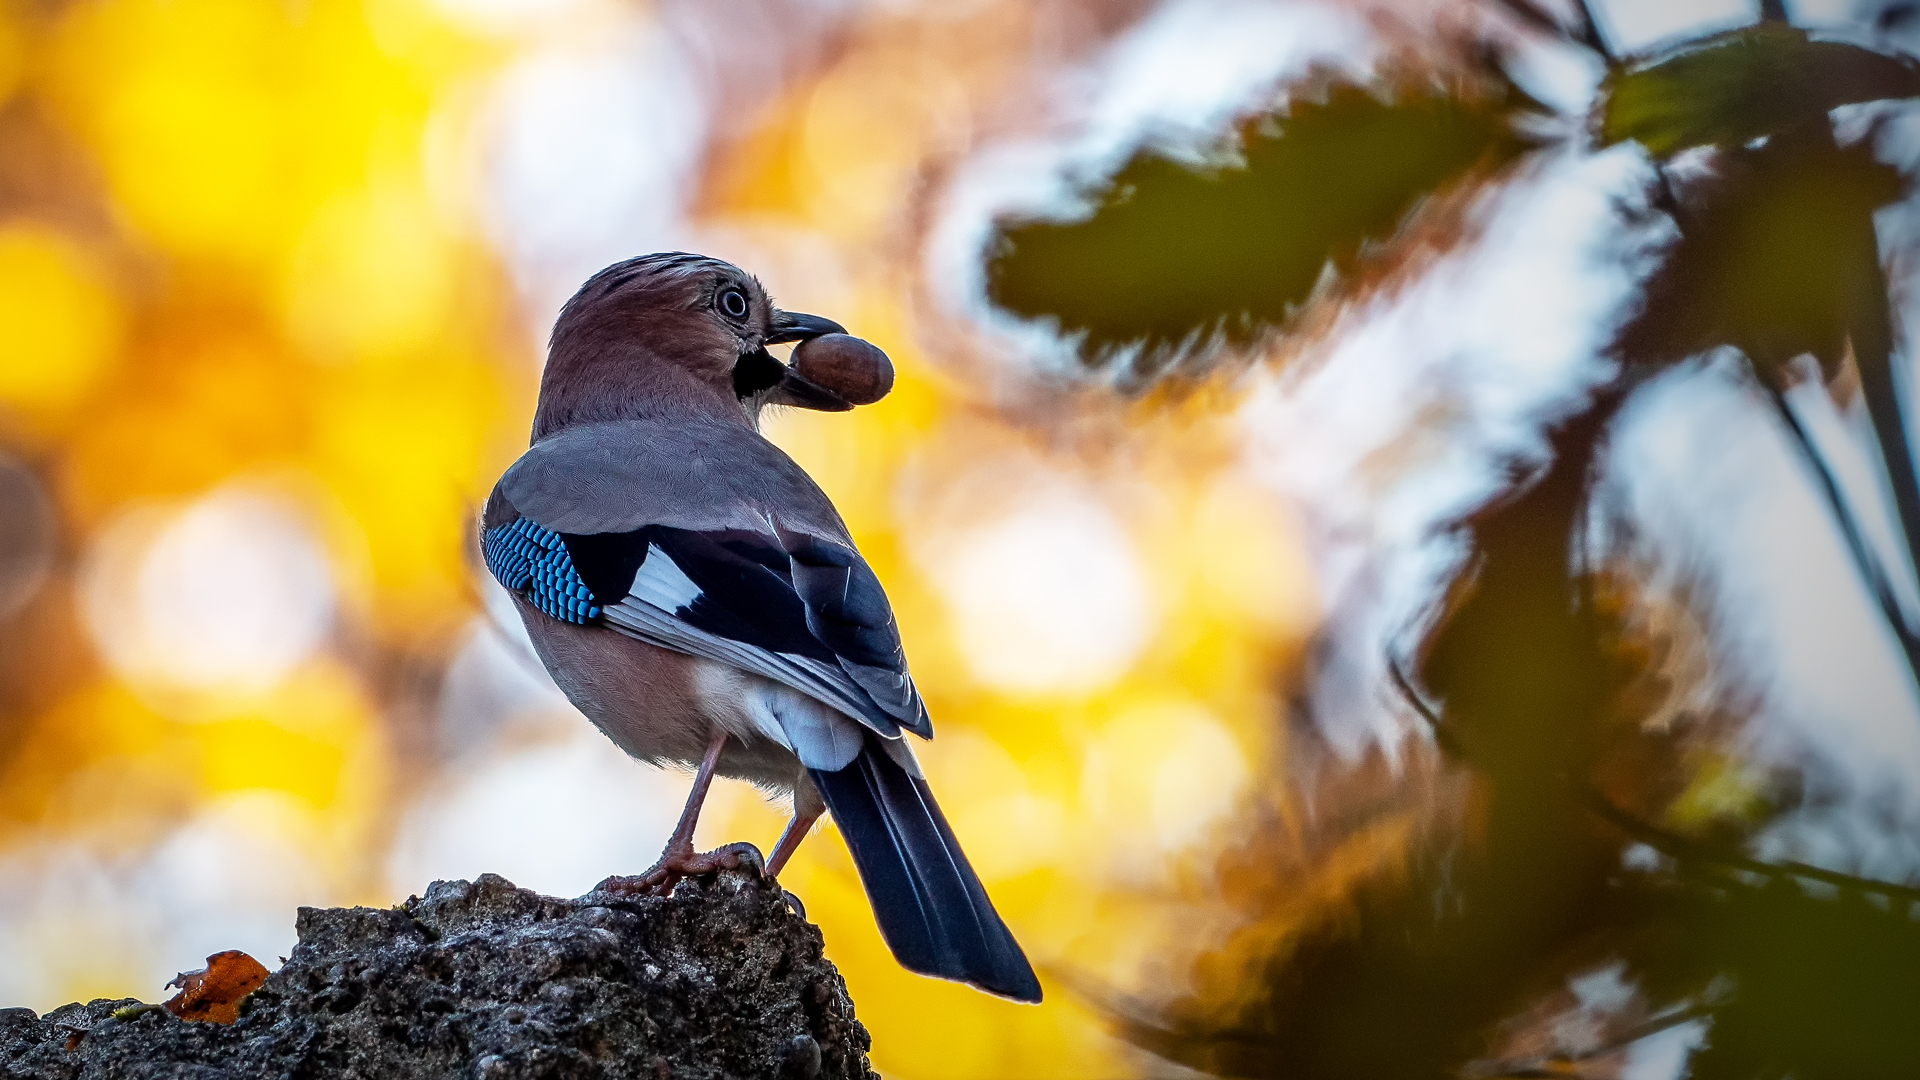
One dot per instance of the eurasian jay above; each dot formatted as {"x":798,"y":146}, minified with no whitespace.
{"x":697,"y":596}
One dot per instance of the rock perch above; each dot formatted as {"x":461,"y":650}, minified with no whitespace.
{"x":482,"y":979}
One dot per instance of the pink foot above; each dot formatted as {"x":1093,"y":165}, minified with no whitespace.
{"x":677,"y":864}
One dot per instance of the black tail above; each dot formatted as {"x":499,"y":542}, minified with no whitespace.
{"x":930,"y":904}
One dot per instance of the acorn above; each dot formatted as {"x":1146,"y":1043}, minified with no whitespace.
{"x":855,"y":369}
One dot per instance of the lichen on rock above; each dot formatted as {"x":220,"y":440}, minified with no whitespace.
{"x":483,"y":979}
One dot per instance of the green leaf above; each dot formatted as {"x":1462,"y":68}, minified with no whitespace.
{"x":1817,"y":987}
{"x":1777,"y":256}
{"x":1737,"y":86}
{"x":1174,"y":252}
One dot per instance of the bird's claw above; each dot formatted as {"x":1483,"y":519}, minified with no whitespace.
{"x":677,"y":865}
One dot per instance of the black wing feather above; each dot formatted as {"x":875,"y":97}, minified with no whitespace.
{"x":846,"y":608}
{"x":799,"y":595}
{"x":744,"y":595}
{"x":606,"y":562}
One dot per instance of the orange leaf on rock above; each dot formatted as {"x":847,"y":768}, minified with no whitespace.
{"x":214,"y":993}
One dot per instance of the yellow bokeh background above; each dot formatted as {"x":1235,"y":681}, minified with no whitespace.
{"x":243,"y":266}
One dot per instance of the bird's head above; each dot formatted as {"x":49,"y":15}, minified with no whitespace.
{"x":671,"y":333}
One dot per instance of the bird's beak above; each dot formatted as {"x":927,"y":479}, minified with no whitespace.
{"x":798,"y":326}
{"x":794,"y":388}
{"x":801,"y":392}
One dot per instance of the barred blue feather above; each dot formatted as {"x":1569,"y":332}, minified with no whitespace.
{"x":533,"y":561}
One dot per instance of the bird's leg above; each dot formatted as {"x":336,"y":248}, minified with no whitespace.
{"x":790,"y":840}
{"x":807,"y":808}
{"x":682,"y":838}
{"x":679,"y":860}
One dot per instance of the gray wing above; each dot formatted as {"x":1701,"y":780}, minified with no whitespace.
{"x":622,"y":476}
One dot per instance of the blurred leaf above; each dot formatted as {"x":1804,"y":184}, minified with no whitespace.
{"x":1522,"y":658}
{"x":1175,"y":252}
{"x":1777,"y":255}
{"x":1453,"y":960}
{"x":1451,"y":956}
{"x":214,"y":993}
{"x":1822,"y":988}
{"x":1396,"y":941}
{"x":1354,"y":935}
{"x":1530,"y":665}
{"x":1392,"y":943}
{"x":1745,"y":83}
{"x":1816,"y":987}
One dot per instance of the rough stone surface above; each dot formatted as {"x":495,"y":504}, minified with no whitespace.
{"x":485,"y":980}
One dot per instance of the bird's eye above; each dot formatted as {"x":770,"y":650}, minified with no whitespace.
{"x":732,"y":303}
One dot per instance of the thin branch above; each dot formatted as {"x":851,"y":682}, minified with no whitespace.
{"x":1872,"y":336}
{"x":1872,"y":340}
{"x":1441,"y":735}
{"x":1561,"y":1065}
{"x":1531,"y":13}
{"x":1588,"y":33}
{"x":1671,"y":844}
{"x":1683,"y":849}
{"x":1863,"y":558}
{"x":1582,"y":33}
{"x":1869,"y":328}
{"x":1652,"y":1026}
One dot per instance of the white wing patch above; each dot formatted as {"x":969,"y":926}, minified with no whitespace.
{"x":827,"y":685}
{"x":662,"y":583}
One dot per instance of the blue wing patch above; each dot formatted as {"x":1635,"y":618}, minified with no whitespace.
{"x":533,"y":561}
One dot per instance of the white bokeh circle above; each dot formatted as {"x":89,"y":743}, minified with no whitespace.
{"x":228,"y":594}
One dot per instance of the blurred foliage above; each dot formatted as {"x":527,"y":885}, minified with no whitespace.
{"x":1433,"y":933}
{"x":1744,"y":84}
{"x":1511,"y":889}
{"x":1776,"y":255}
{"x":1175,"y":253}
{"x":1815,"y":986}
{"x":1348,"y":964}
{"x":1584,"y":813}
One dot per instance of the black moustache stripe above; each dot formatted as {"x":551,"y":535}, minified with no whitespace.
{"x":757,"y":371}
